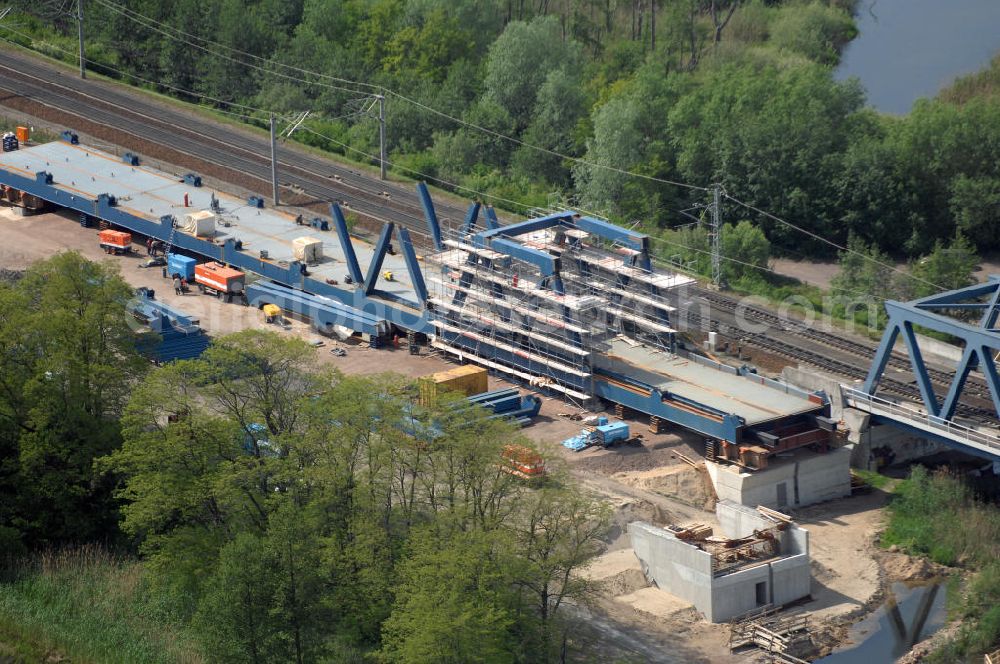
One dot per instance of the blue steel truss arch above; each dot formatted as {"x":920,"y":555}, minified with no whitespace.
{"x":981,"y":342}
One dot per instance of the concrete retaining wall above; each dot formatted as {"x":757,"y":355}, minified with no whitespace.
{"x":904,"y":443}
{"x":735,"y":594}
{"x":685,"y":571}
{"x":678,"y":568}
{"x":737,"y":520}
{"x":806,"y":479}
{"x":790,"y":579}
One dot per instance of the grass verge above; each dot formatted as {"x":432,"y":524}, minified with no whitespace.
{"x":937,"y":515}
{"x":85,"y":605}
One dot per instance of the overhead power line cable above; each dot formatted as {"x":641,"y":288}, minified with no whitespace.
{"x":184,"y":37}
{"x":831,"y":243}
{"x":139,"y":15}
{"x":157,"y":26}
{"x":175,"y":88}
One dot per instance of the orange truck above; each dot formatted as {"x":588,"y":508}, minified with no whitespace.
{"x":115,"y":242}
{"x":217,"y":279}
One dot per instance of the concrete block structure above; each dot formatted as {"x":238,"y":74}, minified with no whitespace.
{"x":804,"y":478}
{"x":757,"y":562}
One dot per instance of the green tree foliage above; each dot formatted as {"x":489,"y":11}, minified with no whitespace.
{"x":519,"y":62}
{"x":947,"y":267}
{"x":736,"y":92}
{"x":815,"y":30}
{"x":864,"y":271}
{"x":456,"y":602}
{"x":68,"y":357}
{"x":770,"y":134}
{"x":359,"y":508}
{"x":747,"y":251}
{"x":864,"y":280}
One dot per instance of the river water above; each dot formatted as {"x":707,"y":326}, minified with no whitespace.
{"x":909,"y":49}
{"x":909,"y":615}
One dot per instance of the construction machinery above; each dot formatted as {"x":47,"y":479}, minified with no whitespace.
{"x":217,"y":279}
{"x":605,"y":434}
{"x":115,"y":242}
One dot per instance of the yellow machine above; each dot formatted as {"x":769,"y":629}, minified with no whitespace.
{"x":387,"y":275}
{"x":272,"y":313}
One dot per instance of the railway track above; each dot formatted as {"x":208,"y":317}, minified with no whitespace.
{"x":219,"y":144}
{"x":974,"y":386}
{"x":245,"y":152}
{"x":839,"y":367}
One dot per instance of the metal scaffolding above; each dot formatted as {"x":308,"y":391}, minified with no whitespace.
{"x":503,"y":305}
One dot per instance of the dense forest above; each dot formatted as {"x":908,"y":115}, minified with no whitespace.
{"x":593,"y":103}
{"x":283,"y":511}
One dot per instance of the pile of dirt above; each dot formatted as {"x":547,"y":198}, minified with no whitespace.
{"x":625,"y":582}
{"x":908,"y":569}
{"x":631,"y":458}
{"x":680,"y":482}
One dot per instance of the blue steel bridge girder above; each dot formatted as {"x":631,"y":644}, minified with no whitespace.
{"x":350,"y":257}
{"x":470,"y":218}
{"x":430,"y":215}
{"x":981,"y":342}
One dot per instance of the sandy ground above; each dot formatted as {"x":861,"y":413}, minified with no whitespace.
{"x":644,"y":480}
{"x":821,"y":273}
{"x":846,"y":575}
{"x":809,"y":272}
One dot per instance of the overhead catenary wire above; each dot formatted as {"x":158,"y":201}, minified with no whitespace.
{"x":527,"y":206}
{"x":179,"y":35}
{"x":185,"y":37}
{"x":157,"y":26}
{"x":232,"y":49}
{"x":175,"y":88}
{"x":831,"y":243}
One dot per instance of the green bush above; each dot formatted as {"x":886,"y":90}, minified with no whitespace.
{"x":937,"y":515}
{"x":816,"y":31}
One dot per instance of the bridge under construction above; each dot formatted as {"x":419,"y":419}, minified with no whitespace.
{"x":565,"y":302}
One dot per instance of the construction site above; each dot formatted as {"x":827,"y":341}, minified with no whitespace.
{"x":738,"y":523}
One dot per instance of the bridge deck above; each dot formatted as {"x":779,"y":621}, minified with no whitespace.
{"x":977,"y":439}
{"x":756,"y":403}
{"x":150,"y":194}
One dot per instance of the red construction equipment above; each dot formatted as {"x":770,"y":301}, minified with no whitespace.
{"x":115,"y":242}
{"x":217,"y":279}
{"x":523,"y":462}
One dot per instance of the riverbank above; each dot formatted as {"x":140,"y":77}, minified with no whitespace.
{"x":938,"y":518}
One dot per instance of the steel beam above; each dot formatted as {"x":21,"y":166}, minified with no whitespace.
{"x":42,"y":186}
{"x":416,"y":275}
{"x":470,"y":218}
{"x":351,"y":258}
{"x":430,"y":215}
{"x":381,"y":248}
{"x":491,"y":218}
{"x":546,"y":262}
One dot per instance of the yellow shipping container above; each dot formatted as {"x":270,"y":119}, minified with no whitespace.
{"x":468,"y":380}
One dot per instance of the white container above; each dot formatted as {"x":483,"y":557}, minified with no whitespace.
{"x":307,"y":249}
{"x":201,"y":224}
{"x":713,"y":339}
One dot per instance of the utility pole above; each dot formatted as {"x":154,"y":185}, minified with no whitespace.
{"x":715,"y":236}
{"x":274,"y":162}
{"x":79,"y":32}
{"x":381,"y":135}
